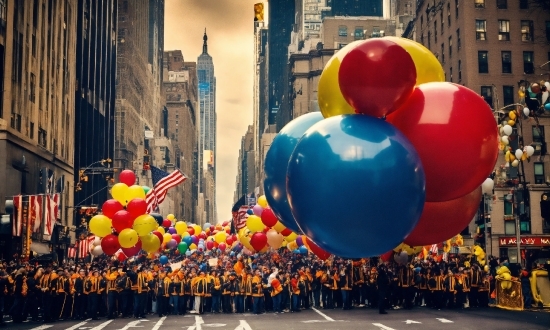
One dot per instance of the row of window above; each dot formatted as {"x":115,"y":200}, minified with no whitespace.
{"x":358,"y":32}
{"x":526,"y":29}
{"x":502,"y":4}
{"x":506,"y":61}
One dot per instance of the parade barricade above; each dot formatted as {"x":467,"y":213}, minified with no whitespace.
{"x":508,"y":294}
{"x":540,"y":287}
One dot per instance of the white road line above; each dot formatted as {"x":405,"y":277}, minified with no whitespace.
{"x":102,"y":325}
{"x":78,"y":325}
{"x":159,"y":323}
{"x":42,"y":327}
{"x":134,"y":324}
{"x":243,"y":325}
{"x":213,"y":325}
{"x":381,"y":326}
{"x":198,"y":322}
{"x":411,"y":322}
{"x":323,"y":315}
{"x":444,"y":320}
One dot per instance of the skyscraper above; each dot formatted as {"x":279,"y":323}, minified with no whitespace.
{"x":207,"y":133}
{"x":356,"y":7}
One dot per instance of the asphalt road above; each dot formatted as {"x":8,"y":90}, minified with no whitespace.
{"x":417,"y":319}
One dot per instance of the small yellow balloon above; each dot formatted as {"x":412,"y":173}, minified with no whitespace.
{"x":220,"y":237}
{"x":210,"y":239}
{"x":170,"y":217}
{"x":291,"y":237}
{"x":100,"y":225}
{"x":524,"y":156}
{"x":521,"y":94}
{"x":279,"y":227}
{"x":150,"y":243}
{"x":180,"y":227}
{"x":119,"y":191}
{"x":428,"y":68}
{"x":128,"y":238}
{"x":511,"y":122}
{"x":254,"y":223}
{"x":262,"y":201}
{"x":144,"y":224}
{"x":193,"y":246}
{"x":134,"y":191}
{"x":166,"y":238}
{"x":161,"y":230}
{"x":512,"y":115}
{"x":245,"y":241}
{"x":198,"y":230}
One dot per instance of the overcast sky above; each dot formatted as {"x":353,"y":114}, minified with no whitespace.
{"x":230,"y":28}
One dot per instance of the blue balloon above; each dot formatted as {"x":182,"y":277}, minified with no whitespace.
{"x":188,"y":240}
{"x":163,"y":260}
{"x":276,"y":163}
{"x":547,"y":107}
{"x":361,"y":175}
{"x":303,"y":249}
{"x":297,"y":251}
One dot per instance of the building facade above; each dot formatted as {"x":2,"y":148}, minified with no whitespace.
{"x":356,"y":7}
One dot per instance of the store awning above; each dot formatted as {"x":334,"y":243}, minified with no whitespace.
{"x":40,"y":248}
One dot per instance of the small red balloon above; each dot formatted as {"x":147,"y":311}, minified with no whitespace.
{"x":258,"y":241}
{"x":266,"y":229}
{"x":225,"y":223}
{"x":122,"y":220}
{"x":110,"y":207}
{"x":159,"y":235}
{"x":229,"y":240}
{"x":110,"y":245}
{"x":286,"y":232}
{"x":127,"y":177}
{"x":269,"y":218}
{"x":222,"y":247}
{"x":176,"y":237}
{"x":202,"y":235}
{"x":191,"y":231}
{"x":209,"y":245}
{"x":377,"y":77}
{"x":166,"y":223}
{"x":443,"y":220}
{"x":137,"y":207}
{"x":130,"y":252}
{"x":121,"y":257}
{"x":438,"y":115}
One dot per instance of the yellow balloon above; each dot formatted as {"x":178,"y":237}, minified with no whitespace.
{"x":292,"y":245}
{"x":161,"y":230}
{"x":170,"y":217}
{"x":150,"y":243}
{"x":144,"y":224}
{"x":210,"y":239}
{"x":128,"y":238}
{"x":428,"y":68}
{"x":262,"y":201}
{"x":279,"y":227}
{"x":246,"y":242}
{"x":181,"y":227}
{"x":166,"y":238}
{"x":512,"y":115}
{"x":193,"y":246}
{"x":254,"y":223}
{"x":330,"y":98}
{"x":100,"y":225}
{"x":119,"y":192}
{"x":134,"y":191}
{"x":198,"y":230}
{"x":220,"y":237}
{"x":291,"y":237}
{"x":511,"y":122}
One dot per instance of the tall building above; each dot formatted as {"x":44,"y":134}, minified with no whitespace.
{"x":37,"y":108}
{"x":356,"y":7}
{"x":179,"y":122}
{"x":497,"y":49}
{"x":139,"y":77}
{"x":94,"y":102}
{"x":245,"y":181}
{"x":207,"y":131}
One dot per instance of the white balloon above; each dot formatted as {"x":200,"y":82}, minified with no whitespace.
{"x":507,"y":129}
{"x":530,"y":151}
{"x":544,"y":97}
{"x":515,"y":163}
{"x":97,"y":241}
{"x":547,"y":84}
{"x":518,"y":153}
{"x":526,"y":111}
{"x":401,"y":258}
{"x":97,"y":251}
{"x":505,"y":140}
{"x":487,"y":186}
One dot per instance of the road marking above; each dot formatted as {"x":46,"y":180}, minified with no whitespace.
{"x":198,"y":322}
{"x":134,"y":324}
{"x":444,"y":320}
{"x":323,"y":315}
{"x":381,"y":326}
{"x":215,"y":325}
{"x":159,"y":323}
{"x":42,"y":327}
{"x":243,"y":326}
{"x":102,"y":325}
{"x":76,"y":326}
{"x":411,"y":322}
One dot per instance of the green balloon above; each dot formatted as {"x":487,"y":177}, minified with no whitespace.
{"x":182,"y":247}
{"x":146,"y":189}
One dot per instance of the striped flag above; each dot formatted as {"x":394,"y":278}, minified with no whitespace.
{"x":84,"y":246}
{"x":35,"y":207}
{"x":434,"y":249}
{"x":242,"y":215}
{"x":162,"y":181}
{"x":71,"y":252}
{"x":51,"y":213}
{"x":17,"y":225}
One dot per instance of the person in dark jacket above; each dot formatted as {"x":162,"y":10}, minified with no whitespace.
{"x":383,"y":283}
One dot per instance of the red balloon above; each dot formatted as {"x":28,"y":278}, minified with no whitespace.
{"x":286,"y":232}
{"x":229,"y":240}
{"x":443,"y":220}
{"x":225,"y":223}
{"x":127,"y":177}
{"x":269,"y":218}
{"x":320,"y":253}
{"x":387,"y":256}
{"x":176,"y":237}
{"x":166,"y":223}
{"x":110,"y":207}
{"x":440,"y":115}
{"x":137,"y":207}
{"x":222,"y":247}
{"x":110,"y":245}
{"x":209,"y":245}
{"x":377,"y":77}
{"x":202,"y":235}
{"x":191,"y":231}
{"x":159,"y":235}
{"x":266,"y":229}
{"x":228,"y":231}
{"x":258,"y":241}
{"x":121,"y":257}
{"x":122,"y":220}
{"x":130,"y":252}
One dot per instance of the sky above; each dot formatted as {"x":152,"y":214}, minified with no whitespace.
{"x":230,"y":28}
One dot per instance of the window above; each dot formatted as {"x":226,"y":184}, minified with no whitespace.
{"x":442,"y":53}
{"x":343,"y":31}
{"x":508,"y":94}
{"x":509,"y":227}
{"x":503,"y":30}
{"x":459,"y":70}
{"x":526,"y":30}
{"x":487,"y":94}
{"x":483,"y":62}
{"x":450,"y":47}
{"x":538,"y":133}
{"x":456,"y":8}
{"x":502,"y":4}
{"x":442,"y":21}
{"x":359,"y":33}
{"x":422,"y":39}
{"x":429,"y":40}
{"x":32,"y":88}
{"x":451,"y":74}
{"x":539,"y":173}
{"x":421,"y":22}
{"x":547,"y":30}
{"x":42,"y":137}
{"x":525,"y":227}
{"x":32,"y":130}
{"x":458,"y":43}
{"x":479,"y":3}
{"x":528,"y":67}
{"x":481,"y":29}
{"x":523,"y":4}
{"x":449,"y":14}
{"x":506,"y":62}
{"x":435,"y":32}
{"x":508,"y":205}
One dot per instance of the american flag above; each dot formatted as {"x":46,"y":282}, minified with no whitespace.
{"x":51,"y":212}
{"x":240,"y":218}
{"x":434,"y":249}
{"x":35,"y":207}
{"x":71,"y":252}
{"x":162,"y":181}
{"x":84,"y":246}
{"x":17,"y":225}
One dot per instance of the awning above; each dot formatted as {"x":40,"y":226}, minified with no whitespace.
{"x":40,"y":248}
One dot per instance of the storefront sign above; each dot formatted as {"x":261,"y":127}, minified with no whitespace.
{"x":525,"y":241}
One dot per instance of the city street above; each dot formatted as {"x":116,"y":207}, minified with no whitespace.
{"x":419,"y":318}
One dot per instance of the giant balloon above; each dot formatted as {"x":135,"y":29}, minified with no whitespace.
{"x":439,"y":115}
{"x":276,"y":162}
{"x":365,"y":164}
{"x":443,"y":220}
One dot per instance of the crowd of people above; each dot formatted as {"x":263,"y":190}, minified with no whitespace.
{"x":272,"y":282}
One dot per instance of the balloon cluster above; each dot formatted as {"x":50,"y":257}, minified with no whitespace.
{"x":380,"y":168}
